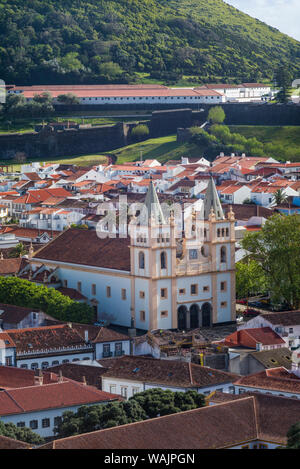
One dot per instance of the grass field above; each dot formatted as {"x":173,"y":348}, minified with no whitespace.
{"x":112,"y":117}
{"x":162,"y":149}
{"x":287,"y":138}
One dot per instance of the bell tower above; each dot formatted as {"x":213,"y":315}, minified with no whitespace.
{"x":153,"y":265}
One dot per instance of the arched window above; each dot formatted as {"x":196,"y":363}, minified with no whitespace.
{"x":141,"y":260}
{"x":163,"y":260}
{"x":223,"y":232}
{"x":218,"y":233}
{"x":223,"y":254}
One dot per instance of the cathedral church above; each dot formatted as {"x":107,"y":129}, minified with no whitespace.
{"x":155,"y":278}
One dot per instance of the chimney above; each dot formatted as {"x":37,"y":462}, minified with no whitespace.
{"x":84,"y":380}
{"x":259,"y":346}
{"x":60,"y":376}
{"x":41,"y":378}
{"x":86,"y":335}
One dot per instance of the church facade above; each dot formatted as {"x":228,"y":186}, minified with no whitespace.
{"x":154,"y":278}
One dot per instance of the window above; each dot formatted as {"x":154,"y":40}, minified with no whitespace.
{"x":261,"y":446}
{"x":56,"y":362}
{"x":106,"y":350}
{"x":34,"y":424}
{"x":8,"y":361}
{"x":34,"y":366}
{"x":223,"y":286}
{"x":141,"y":260}
{"x":25,"y":367}
{"x":163,"y":263}
{"x":181,"y":291}
{"x":163,"y":293}
{"x":142,"y":294}
{"x":118,"y":349}
{"x":194,"y":289}
{"x":291,"y":330}
{"x":21,"y":424}
{"x":66,"y":361}
{"x":164,"y":314}
{"x":223,"y":254}
{"x":112,"y":389}
{"x":135,"y":391}
{"x":142,"y":316}
{"x":46,"y":423}
{"x":45,"y":365}
{"x":93,"y":289}
{"x":223,"y":304}
{"x":193,"y":254}
{"x":65,"y":283}
{"x":124,"y":391}
{"x":79,"y":286}
{"x":206,"y":288}
{"x":108,"y":292}
{"x":123,"y":294}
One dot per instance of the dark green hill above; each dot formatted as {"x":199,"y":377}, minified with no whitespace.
{"x":44,"y":41}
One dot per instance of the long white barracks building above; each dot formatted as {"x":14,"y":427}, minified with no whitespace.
{"x":159,"y":277}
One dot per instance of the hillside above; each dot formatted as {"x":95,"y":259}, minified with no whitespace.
{"x":71,"y":41}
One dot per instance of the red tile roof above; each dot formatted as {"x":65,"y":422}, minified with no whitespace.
{"x":50,"y":396}
{"x":233,"y":423}
{"x":251,"y":337}
{"x":110,"y":253}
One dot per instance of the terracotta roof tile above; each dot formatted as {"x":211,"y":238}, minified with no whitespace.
{"x":110,"y":253}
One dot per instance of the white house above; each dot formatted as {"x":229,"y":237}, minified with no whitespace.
{"x":286,"y":324}
{"x":38,"y":402}
{"x":132,"y":374}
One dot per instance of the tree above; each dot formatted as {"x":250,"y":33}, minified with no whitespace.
{"x":98,"y":417}
{"x":276,"y":248}
{"x":293,"y":437}
{"x":18,"y":250}
{"x":156,"y":401}
{"x":284,"y":80}
{"x":279,"y":197}
{"x":148,"y":404}
{"x":140,"y":132}
{"x":21,"y":292}
{"x":250,"y":279}
{"x":22,"y":434}
{"x":68,"y":98}
{"x":216,"y":115}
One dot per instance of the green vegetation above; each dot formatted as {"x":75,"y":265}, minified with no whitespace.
{"x":148,"y":404}
{"x":250,"y":279}
{"x":21,"y":292}
{"x":140,"y":132}
{"x":67,"y":41}
{"x":162,"y":149}
{"x":276,"y":249}
{"x":22,"y":434}
{"x":216,"y":115}
{"x":281,"y":142}
{"x":283,"y":78}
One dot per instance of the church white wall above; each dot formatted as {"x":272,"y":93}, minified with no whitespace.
{"x":114,"y":306}
{"x":224,"y":312}
{"x":142,"y":304}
